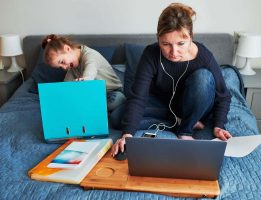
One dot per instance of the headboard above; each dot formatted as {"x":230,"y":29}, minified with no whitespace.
{"x":221,"y":45}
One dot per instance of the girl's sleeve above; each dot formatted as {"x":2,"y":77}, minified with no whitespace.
{"x":89,"y":64}
{"x":69,"y":76}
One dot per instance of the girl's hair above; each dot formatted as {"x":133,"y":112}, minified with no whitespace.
{"x":54,"y":43}
{"x":176,"y":17}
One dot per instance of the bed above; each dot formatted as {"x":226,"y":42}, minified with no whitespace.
{"x":23,"y":146}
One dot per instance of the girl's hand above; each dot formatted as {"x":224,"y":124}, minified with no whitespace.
{"x":80,"y":79}
{"x":221,"y":134}
{"x":119,"y":145}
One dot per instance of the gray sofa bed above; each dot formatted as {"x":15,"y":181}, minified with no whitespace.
{"x":22,"y":144}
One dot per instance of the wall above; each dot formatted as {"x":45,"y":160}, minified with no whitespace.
{"x":27,"y":17}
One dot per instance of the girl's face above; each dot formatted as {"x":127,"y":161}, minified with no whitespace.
{"x":66,"y":58}
{"x":175,"y":45}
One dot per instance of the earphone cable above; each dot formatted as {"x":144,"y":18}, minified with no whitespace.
{"x":174,"y":87}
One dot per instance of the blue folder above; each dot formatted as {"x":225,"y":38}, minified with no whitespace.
{"x":73,"y":109}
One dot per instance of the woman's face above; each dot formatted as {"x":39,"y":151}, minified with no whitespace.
{"x":65,"y":58}
{"x":175,"y":46}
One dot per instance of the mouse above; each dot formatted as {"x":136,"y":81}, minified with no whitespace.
{"x":121,"y":155}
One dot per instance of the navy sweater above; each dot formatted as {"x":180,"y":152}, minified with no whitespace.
{"x":150,"y":78}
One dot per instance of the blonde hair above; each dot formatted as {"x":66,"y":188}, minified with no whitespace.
{"x":176,"y":17}
{"x":54,"y":43}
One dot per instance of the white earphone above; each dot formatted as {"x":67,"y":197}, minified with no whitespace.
{"x":174,"y":87}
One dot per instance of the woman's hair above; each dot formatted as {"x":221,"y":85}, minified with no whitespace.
{"x":176,"y":17}
{"x":54,"y":43}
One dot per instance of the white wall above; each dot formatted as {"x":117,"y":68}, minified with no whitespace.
{"x":27,"y":17}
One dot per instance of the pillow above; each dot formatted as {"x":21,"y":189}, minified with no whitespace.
{"x":119,"y":70}
{"x":133,"y":54}
{"x":106,"y":51}
{"x":44,"y":73}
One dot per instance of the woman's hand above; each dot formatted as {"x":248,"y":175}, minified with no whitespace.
{"x":221,"y":134}
{"x":119,"y":145}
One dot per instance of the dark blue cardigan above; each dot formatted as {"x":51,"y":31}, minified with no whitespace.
{"x":150,"y":78}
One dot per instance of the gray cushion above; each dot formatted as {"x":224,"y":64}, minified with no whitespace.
{"x":220,"y":44}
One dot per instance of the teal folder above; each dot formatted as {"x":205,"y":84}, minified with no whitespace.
{"x":73,"y":109}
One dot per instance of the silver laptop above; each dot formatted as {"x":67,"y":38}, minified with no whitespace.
{"x":173,"y":158}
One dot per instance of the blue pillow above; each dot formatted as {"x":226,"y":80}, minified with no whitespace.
{"x":133,"y":54}
{"x":44,"y":73}
{"x":106,"y":51}
{"x":120,"y":70}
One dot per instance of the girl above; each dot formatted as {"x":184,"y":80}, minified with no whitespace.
{"x":83,"y":63}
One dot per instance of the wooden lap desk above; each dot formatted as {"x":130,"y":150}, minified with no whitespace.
{"x":112,"y":174}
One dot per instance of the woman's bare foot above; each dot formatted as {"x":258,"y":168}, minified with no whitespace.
{"x":185,"y":137}
{"x":199,"y":125}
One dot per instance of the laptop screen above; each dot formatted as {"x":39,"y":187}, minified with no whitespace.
{"x":73,"y":109}
{"x":172,"y":158}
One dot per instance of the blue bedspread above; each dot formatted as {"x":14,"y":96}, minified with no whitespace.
{"x":22,"y":147}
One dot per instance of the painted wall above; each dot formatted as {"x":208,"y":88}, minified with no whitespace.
{"x":27,"y":17}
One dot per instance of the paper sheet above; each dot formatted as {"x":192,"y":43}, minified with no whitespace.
{"x":241,"y":146}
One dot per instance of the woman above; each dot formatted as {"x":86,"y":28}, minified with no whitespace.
{"x":181,"y":73}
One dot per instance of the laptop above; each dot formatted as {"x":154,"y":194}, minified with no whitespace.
{"x":173,"y":158}
{"x":73,"y":109}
